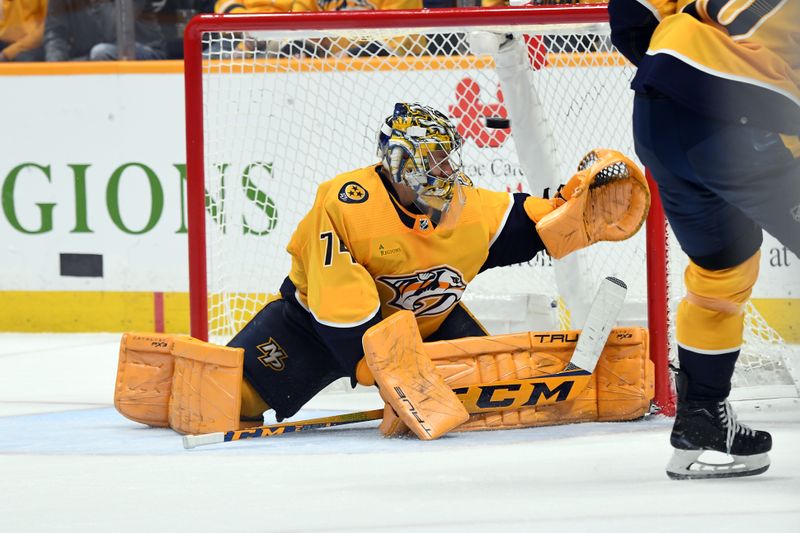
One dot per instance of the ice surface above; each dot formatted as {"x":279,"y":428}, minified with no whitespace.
{"x":69,"y":462}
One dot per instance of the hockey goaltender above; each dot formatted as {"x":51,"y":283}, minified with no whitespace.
{"x":380,"y":263}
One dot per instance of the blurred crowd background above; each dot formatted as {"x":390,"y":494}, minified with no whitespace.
{"x":104,"y":30}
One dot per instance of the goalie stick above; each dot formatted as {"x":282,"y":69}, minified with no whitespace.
{"x":489,"y":397}
{"x":192,"y":441}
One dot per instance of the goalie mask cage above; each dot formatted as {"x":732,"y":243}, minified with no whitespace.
{"x":277,"y":103}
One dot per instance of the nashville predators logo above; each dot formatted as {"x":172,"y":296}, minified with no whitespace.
{"x":427,"y":292}
{"x":353,"y":193}
{"x":272,"y":355}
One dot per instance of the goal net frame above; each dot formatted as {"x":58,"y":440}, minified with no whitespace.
{"x":656,"y":235}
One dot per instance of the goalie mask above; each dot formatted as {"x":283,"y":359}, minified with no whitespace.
{"x":420,"y":149}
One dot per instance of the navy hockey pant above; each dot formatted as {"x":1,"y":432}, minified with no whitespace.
{"x":721,"y":183}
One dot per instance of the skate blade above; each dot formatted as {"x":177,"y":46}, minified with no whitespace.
{"x":686,"y":464}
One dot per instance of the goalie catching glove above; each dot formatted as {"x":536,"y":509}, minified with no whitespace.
{"x":606,"y":200}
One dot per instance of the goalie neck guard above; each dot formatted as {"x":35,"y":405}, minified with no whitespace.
{"x":421,"y":150}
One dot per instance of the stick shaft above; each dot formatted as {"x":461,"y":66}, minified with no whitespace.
{"x":192,"y":441}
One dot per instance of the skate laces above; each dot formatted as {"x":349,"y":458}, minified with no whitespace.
{"x":732,"y":425}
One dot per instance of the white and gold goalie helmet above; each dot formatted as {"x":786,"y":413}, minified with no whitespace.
{"x":420,"y":149}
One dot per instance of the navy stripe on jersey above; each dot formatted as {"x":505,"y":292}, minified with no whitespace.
{"x":747,"y":19}
{"x":713,"y":9}
{"x":691,"y":10}
{"x":518,"y":241}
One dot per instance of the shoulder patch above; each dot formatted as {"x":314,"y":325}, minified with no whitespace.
{"x":353,"y":193}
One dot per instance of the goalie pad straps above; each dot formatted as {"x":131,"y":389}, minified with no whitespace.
{"x":179,"y":382}
{"x":607,"y":200}
{"x":407,"y":379}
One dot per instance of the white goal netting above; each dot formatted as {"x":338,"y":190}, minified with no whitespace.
{"x":284,"y":110}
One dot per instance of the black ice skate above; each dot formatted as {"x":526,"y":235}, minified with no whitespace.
{"x":704,"y":426}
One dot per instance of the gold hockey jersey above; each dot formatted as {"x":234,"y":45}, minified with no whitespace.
{"x":414,"y":43}
{"x":731,"y":59}
{"x":354,"y":5}
{"x":359,"y":254}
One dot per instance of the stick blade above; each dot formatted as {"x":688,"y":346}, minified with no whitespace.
{"x":193,"y":441}
{"x":602,"y":317}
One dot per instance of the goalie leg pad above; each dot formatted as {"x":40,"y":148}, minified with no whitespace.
{"x":621,"y":387}
{"x":607,"y":200}
{"x":144,"y":378}
{"x":206,"y":387}
{"x":408,"y":380}
{"x":180,"y":382}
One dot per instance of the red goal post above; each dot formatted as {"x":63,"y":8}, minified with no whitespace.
{"x":194,"y":68}
{"x":253,"y":105}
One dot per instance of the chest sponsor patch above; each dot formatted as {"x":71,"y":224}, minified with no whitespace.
{"x":426,"y":292}
{"x":353,"y":193}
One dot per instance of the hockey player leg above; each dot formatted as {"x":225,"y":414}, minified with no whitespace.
{"x":709,"y":335}
{"x":747,"y":166}
{"x":582,"y":353}
{"x":710,"y":426}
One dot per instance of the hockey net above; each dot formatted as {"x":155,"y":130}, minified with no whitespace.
{"x":276,"y":104}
